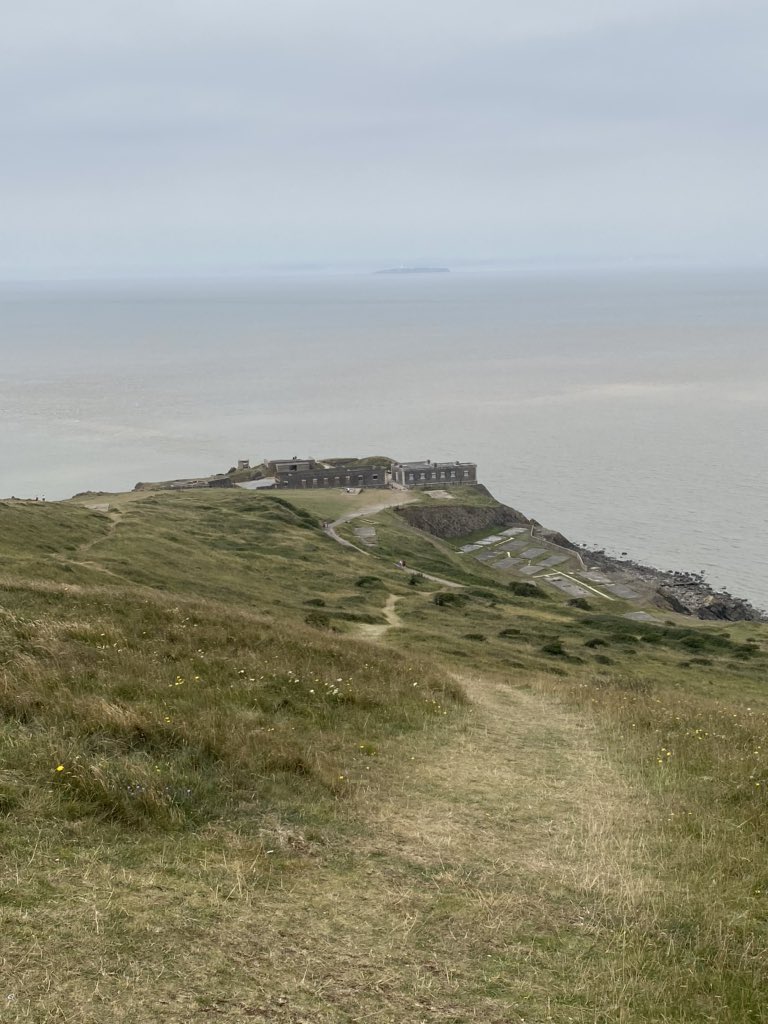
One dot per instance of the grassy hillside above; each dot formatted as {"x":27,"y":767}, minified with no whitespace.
{"x":247,"y":773}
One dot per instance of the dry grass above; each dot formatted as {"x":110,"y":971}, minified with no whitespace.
{"x":258,"y":820}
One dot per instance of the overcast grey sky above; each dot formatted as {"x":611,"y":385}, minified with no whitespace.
{"x":220,"y":136}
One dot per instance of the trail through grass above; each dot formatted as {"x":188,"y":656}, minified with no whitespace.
{"x":477,"y":864}
{"x":218,"y":804}
{"x":373,"y":630}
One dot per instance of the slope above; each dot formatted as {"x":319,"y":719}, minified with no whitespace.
{"x":222,"y":803}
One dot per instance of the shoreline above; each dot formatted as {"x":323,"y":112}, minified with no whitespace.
{"x":688,"y":593}
{"x":681,"y":591}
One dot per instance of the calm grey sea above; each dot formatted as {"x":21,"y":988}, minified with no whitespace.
{"x":626,"y":410}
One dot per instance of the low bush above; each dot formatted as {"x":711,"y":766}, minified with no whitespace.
{"x":318,"y":619}
{"x":554,"y":647}
{"x":449,"y":599}
{"x":368,"y":581}
{"x":521,"y":588}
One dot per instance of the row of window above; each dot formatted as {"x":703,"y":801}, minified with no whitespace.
{"x":442,"y":475}
{"x":327,"y":481}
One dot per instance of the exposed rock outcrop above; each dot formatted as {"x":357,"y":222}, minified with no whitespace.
{"x":449,"y":521}
{"x":685,"y":592}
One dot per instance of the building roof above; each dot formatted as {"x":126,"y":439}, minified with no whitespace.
{"x":424,"y":465}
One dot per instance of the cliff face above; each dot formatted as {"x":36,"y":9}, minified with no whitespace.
{"x":448,"y":521}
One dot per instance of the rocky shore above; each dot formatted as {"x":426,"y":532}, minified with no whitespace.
{"x":684,"y":592}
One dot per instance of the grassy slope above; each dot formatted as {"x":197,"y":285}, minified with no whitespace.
{"x":223,"y":805}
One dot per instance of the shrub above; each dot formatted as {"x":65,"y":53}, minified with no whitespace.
{"x":554,"y":647}
{"x":315,"y":602}
{"x":523,"y":589}
{"x":596,"y":642}
{"x":368,"y":581}
{"x":448,"y":598}
{"x":317,"y":619}
{"x":580,"y":602}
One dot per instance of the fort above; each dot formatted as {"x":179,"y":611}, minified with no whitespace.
{"x":347,"y":474}
{"x":303,"y":473}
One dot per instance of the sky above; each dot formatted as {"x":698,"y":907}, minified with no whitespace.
{"x":222,"y":137}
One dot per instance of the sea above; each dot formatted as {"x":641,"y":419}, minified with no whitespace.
{"x":626,"y":409}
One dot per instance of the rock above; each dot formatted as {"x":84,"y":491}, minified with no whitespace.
{"x":446,"y":521}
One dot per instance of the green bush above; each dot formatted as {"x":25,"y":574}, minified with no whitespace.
{"x":449,"y":598}
{"x":317,"y":619}
{"x":554,"y":647}
{"x":521,"y":588}
{"x":368,"y":581}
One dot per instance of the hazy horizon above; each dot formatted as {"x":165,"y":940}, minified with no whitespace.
{"x":545,"y":270}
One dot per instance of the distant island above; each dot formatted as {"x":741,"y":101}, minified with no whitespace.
{"x":414,"y":270}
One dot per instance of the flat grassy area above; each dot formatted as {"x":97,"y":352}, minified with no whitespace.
{"x":332,"y":503}
{"x":222,"y":803}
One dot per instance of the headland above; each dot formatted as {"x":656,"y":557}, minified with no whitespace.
{"x":540,"y":553}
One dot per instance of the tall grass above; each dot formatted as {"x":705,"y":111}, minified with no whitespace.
{"x":165,"y":711}
{"x":696,"y":938}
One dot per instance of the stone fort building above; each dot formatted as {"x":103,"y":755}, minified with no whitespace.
{"x":308,"y":474}
{"x":431,"y":474}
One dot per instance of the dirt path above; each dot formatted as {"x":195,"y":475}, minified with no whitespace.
{"x":331,"y":530}
{"x":491,"y":870}
{"x":115,"y":518}
{"x":368,"y":510}
{"x":374,"y":631}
